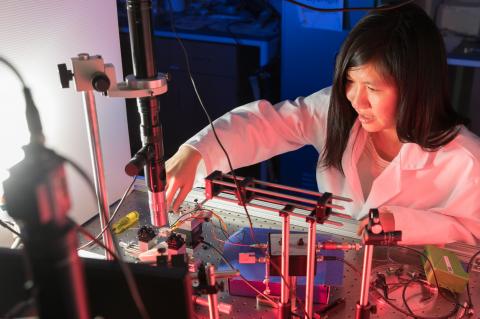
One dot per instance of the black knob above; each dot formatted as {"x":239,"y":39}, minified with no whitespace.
{"x":65,"y":75}
{"x":100,"y":82}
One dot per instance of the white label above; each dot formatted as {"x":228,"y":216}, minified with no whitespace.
{"x":449,"y":265}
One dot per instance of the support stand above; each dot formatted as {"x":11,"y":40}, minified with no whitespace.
{"x":207,"y":285}
{"x":212,"y":298}
{"x":144,"y":68}
{"x":97,"y":165}
{"x":363,"y":307}
{"x":311,"y":263}
{"x":145,"y":85}
{"x":285,"y":308}
{"x":320,"y":209}
{"x":373,"y":235}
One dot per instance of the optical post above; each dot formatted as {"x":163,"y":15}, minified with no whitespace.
{"x":373,"y":236}
{"x":91,"y":74}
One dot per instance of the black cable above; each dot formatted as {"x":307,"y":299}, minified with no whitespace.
{"x":196,"y":209}
{"x":404,"y":295}
{"x":5,"y":61}
{"x":440,"y":291}
{"x":19,"y":308}
{"x":187,"y":61}
{"x":381,"y":8}
{"x":244,"y":279}
{"x":469,"y":268}
{"x":31,"y":112}
{"x":409,"y":314}
{"x":349,"y":265}
{"x":4,"y":224}
{"x":35,"y":127}
{"x":240,"y":275}
{"x":29,"y":286}
{"x":113,"y":214}
{"x":457,"y":304}
{"x":81,"y":172}
{"x":405,"y":302}
{"x":132,"y":285}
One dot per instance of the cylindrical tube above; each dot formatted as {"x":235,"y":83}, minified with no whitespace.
{"x":284,"y":293}
{"x":223,"y":307}
{"x":126,"y":222}
{"x":212,"y":298}
{"x":98,"y":168}
{"x":143,"y":60}
{"x":158,"y":208}
{"x":311,"y":260}
{"x":266,"y":281}
{"x":367,"y":267}
{"x":293,"y":293}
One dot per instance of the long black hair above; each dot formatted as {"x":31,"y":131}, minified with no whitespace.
{"x":406,"y":46}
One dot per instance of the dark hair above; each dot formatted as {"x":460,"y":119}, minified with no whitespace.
{"x":406,"y":46}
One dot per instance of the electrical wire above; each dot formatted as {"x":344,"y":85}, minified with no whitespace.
{"x":381,"y":8}
{"x":469,"y":268}
{"x":5,"y":61}
{"x":410,"y":313}
{"x":5,"y":225}
{"x":404,"y":295}
{"x":240,"y":275}
{"x":434,"y":274}
{"x":197,"y":94}
{"x":111,"y":217}
{"x":19,"y":308}
{"x":32,"y":116}
{"x":132,"y":285}
{"x":35,"y":127}
{"x":214,"y":236}
{"x":351,"y":266}
{"x":271,"y":264}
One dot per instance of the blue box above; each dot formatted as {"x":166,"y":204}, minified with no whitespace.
{"x":329,"y":273}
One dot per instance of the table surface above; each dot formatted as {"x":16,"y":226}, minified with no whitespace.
{"x":385,"y":259}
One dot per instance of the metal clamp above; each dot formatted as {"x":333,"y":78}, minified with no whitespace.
{"x":92,"y":74}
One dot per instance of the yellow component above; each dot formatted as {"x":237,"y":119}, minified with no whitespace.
{"x":447,"y":267}
{"x":125,"y":222}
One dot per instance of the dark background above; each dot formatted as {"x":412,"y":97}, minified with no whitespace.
{"x":229,"y":72}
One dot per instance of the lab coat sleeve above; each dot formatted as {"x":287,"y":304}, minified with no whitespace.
{"x":259,"y":130}
{"x":457,"y":220}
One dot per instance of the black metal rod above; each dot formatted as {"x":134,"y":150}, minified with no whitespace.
{"x":143,"y":60}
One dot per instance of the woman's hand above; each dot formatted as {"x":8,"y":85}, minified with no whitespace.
{"x":181,"y":169}
{"x":387,"y":220}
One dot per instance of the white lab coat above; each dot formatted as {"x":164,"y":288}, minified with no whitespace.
{"x":434,"y":196}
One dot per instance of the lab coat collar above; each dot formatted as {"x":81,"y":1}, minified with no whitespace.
{"x":413,"y":157}
{"x":389,"y":183}
{"x":354,"y":149}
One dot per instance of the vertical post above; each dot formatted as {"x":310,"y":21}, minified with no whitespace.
{"x":362,"y":310}
{"x":285,"y":308}
{"x":143,"y":60}
{"x":311,"y":261}
{"x":98,"y":168}
{"x":293,"y":293}
{"x":212,"y":298}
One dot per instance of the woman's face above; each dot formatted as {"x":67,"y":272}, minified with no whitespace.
{"x":374,"y":97}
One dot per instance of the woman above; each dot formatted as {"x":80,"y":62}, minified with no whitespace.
{"x":386,"y":134}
